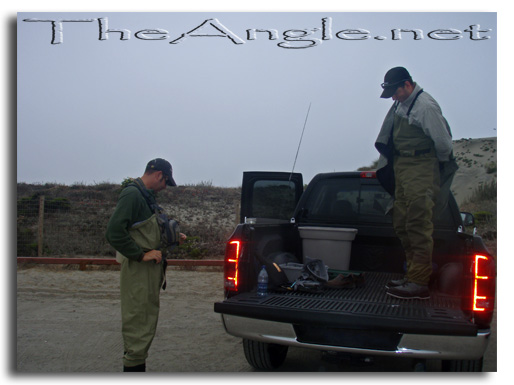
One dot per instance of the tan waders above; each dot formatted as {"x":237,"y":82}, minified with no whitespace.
{"x":140,"y":284}
{"x":417,"y":185}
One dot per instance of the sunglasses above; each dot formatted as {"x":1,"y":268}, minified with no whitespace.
{"x":394,"y":84}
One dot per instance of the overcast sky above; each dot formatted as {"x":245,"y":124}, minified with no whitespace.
{"x":93,"y":108}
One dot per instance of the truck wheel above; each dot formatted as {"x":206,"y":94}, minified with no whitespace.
{"x":264,"y":356}
{"x":462,"y":365}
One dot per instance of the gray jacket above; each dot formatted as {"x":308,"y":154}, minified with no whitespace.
{"x":426,"y":114}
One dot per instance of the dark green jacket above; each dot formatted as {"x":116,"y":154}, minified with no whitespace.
{"x":131,"y":208}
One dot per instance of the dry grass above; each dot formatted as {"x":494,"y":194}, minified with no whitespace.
{"x":206,"y":214}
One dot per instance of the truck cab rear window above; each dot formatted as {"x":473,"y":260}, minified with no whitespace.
{"x":347,"y":200}
{"x":273,"y":199}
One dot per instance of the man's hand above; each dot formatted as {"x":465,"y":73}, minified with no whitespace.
{"x":155,"y":255}
{"x":183,"y":237}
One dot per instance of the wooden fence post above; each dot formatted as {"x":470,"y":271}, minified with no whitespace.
{"x":40,"y":226}
{"x":238,"y":213}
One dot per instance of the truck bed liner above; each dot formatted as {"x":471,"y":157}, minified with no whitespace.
{"x":366,"y":308}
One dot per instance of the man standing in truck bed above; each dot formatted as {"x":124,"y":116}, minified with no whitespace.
{"x":417,"y":167}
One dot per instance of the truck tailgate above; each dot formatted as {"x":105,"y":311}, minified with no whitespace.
{"x":365,"y":308}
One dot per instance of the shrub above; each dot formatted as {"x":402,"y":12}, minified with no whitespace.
{"x":490,"y":167}
{"x":26,"y":242}
{"x":191,"y":248}
{"x":126,"y":181}
{"x":485,"y":191}
{"x":372,"y":166}
{"x":57,"y":204}
{"x":482,"y":217}
{"x":30,"y":206}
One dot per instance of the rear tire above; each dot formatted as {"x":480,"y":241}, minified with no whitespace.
{"x":264,"y":356}
{"x":463,"y":365}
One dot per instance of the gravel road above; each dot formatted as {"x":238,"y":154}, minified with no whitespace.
{"x":69,"y":321}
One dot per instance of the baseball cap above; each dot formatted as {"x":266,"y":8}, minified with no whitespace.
{"x":393,"y":79}
{"x":163,"y":165}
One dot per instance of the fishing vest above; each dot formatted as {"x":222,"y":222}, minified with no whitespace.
{"x":408,"y":139}
{"x":155,"y":233}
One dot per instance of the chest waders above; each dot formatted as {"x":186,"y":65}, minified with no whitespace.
{"x":416,"y":170}
{"x":140,"y":284}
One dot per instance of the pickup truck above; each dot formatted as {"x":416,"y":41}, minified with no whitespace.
{"x":447,"y":332}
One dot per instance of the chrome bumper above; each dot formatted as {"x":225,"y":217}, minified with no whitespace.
{"x":411,"y":345}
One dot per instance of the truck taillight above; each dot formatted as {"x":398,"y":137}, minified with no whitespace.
{"x":231,"y":264}
{"x":484,"y":288}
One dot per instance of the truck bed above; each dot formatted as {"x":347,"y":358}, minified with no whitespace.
{"x":365,"y":310}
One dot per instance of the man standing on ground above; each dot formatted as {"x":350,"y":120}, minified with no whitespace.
{"x":417,"y":168}
{"x":134,"y":232}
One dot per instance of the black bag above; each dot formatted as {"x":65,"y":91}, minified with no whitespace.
{"x":170,"y":231}
{"x":276,"y":276}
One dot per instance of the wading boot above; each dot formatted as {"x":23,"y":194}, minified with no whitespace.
{"x":409,"y":290}
{"x":137,"y":368}
{"x":396,"y":282}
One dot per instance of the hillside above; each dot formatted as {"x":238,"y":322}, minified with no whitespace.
{"x":477,"y":166}
{"x":76,"y":216}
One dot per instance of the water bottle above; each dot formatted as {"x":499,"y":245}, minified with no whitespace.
{"x":262,"y":282}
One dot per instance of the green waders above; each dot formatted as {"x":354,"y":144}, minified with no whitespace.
{"x":416,"y":170}
{"x":140,"y":284}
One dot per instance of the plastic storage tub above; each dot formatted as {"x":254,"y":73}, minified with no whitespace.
{"x":332,"y":245}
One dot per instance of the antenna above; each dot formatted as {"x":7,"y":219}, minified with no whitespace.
{"x":300,"y":143}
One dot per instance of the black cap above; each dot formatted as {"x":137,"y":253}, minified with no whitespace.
{"x":163,"y":165}
{"x":393,"y":79}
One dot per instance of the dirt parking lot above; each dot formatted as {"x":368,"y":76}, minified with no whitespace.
{"x":69,"y":321}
